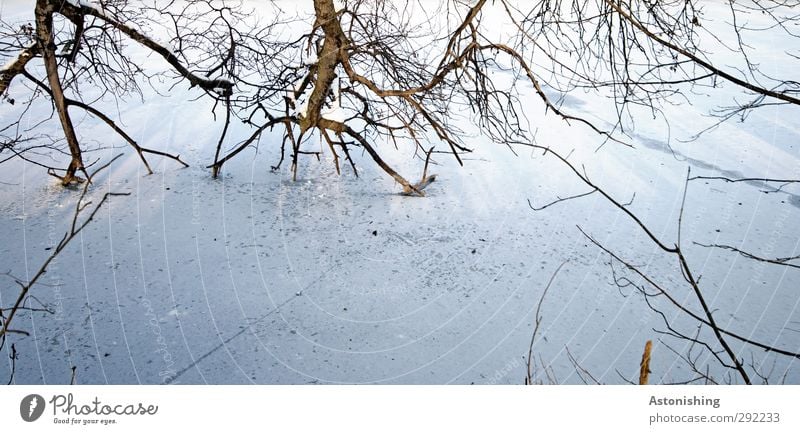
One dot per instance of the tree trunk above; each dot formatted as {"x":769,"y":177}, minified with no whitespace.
{"x":329,"y":58}
{"x":44,"y":31}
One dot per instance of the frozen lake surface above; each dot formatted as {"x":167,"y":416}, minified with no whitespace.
{"x":254,"y":278}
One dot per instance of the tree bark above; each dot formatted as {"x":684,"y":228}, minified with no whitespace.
{"x":44,"y":31}
{"x":329,"y":58}
{"x":16,"y":67}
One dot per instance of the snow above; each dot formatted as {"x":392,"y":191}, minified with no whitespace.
{"x":11,"y":61}
{"x":14,"y":59}
{"x":333,"y":110}
{"x":91,"y":4}
{"x":336,"y":114}
{"x":254,"y":278}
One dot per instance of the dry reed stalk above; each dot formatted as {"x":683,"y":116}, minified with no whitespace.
{"x":644,"y":373}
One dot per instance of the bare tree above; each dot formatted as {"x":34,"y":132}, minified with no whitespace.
{"x":365,"y":70}
{"x":84,"y":55}
{"x":651,"y":289}
{"x":357,"y":72}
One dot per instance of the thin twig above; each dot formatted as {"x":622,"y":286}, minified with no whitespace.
{"x":75,"y":228}
{"x":538,"y":321}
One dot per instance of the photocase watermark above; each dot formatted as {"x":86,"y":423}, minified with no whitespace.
{"x":501,"y":373}
{"x":197,"y":205}
{"x":31,"y":407}
{"x":168,"y":373}
{"x":68,"y":411}
{"x":53,"y":271}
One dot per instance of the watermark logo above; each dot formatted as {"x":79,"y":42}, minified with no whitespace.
{"x":67,"y":410}
{"x":31,"y":407}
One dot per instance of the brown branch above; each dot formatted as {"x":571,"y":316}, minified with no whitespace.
{"x":777,"y":261}
{"x":44,"y":31}
{"x":339,"y":127}
{"x":110,"y":122}
{"x":215,"y":167}
{"x":560,"y":199}
{"x":644,"y":371}
{"x":242,"y":146}
{"x":687,"y":272}
{"x":726,"y":179}
{"x":75,"y":12}
{"x":17,"y":67}
{"x":620,"y":206}
{"x":333,"y":151}
{"x":707,"y":65}
{"x":538,"y":88}
{"x":676,"y":303}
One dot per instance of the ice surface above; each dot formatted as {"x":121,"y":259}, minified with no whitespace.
{"x":254,"y":278}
